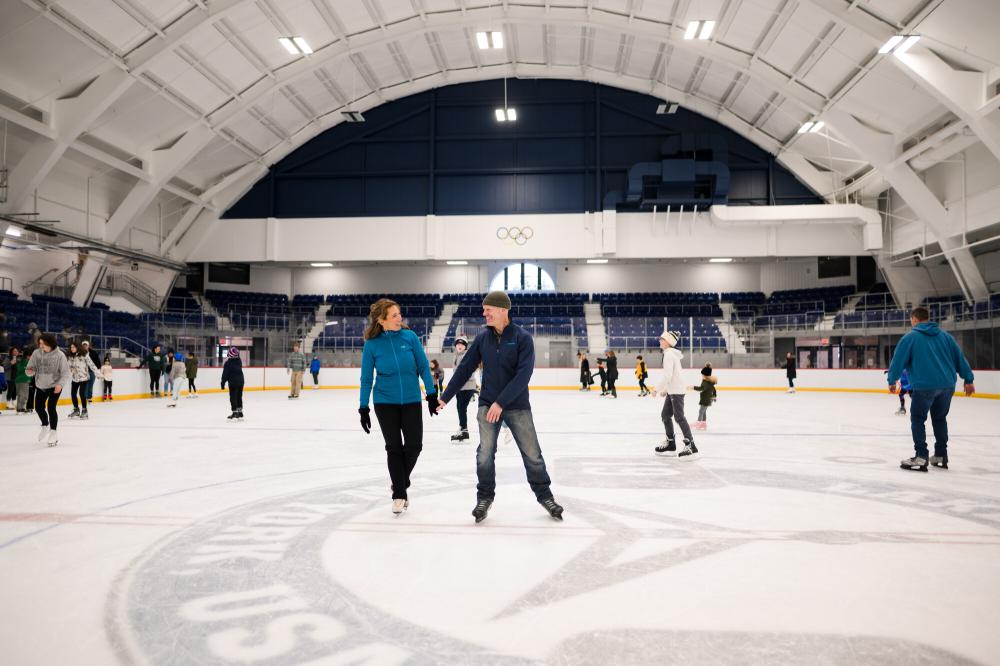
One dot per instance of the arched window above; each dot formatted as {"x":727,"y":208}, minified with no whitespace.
{"x":523,"y":277}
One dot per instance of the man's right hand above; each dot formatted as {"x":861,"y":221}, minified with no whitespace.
{"x":969,"y":389}
{"x":440,"y":406}
{"x":892,"y":389}
{"x":366,"y":419}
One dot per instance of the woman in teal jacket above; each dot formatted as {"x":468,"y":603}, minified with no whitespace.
{"x":394,"y":360}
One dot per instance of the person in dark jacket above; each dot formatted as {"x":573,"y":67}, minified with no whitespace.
{"x":931,"y":358}
{"x":438,"y":374}
{"x":232,"y":372}
{"x":95,"y":358}
{"x":507,"y":353}
{"x":154,"y":360}
{"x":612,"y":364}
{"x":191,"y":373}
{"x":603,"y":373}
{"x":394,"y":361}
{"x":708,"y":394}
{"x":790,"y":371}
{"x":585,"y":379}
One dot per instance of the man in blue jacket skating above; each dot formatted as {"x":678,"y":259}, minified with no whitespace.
{"x":507,"y":353}
{"x":931,"y":358}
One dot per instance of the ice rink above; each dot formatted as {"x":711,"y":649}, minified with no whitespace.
{"x":171,"y":536}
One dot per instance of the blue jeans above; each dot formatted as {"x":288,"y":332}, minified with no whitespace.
{"x":522,"y":427}
{"x":91,"y":378}
{"x":937,"y":402}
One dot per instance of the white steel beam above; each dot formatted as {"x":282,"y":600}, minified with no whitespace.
{"x":880,"y":150}
{"x":70,"y":118}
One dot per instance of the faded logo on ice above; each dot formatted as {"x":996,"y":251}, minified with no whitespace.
{"x":327,"y":577}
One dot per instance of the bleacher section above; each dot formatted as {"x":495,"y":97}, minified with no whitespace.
{"x":412,"y":305}
{"x":636,"y":320}
{"x":60,"y":316}
{"x":181,"y":300}
{"x":801,"y":308}
{"x":541,"y":314}
{"x":259,"y":310}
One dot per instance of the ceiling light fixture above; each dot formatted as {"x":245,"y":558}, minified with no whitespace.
{"x":899,"y":44}
{"x":353,"y":116}
{"x":13,"y":231}
{"x":458,"y":263}
{"x":701,"y":29}
{"x":597,"y":261}
{"x":489,"y":40}
{"x":296,"y":45}
{"x":321,"y":264}
{"x":811,"y":126}
{"x":506,"y":113}
{"x":667,"y":108}
{"x":721,"y":260}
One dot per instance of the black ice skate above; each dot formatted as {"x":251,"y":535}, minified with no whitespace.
{"x":668,"y":446}
{"x":232,"y":417}
{"x":75,"y":414}
{"x":554,"y":509}
{"x":239,"y":414}
{"x":460,"y":436}
{"x":901,"y":411}
{"x":84,"y":416}
{"x":914,"y":464}
{"x":482,"y":508}
{"x":690,"y":450}
{"x":941,"y":462}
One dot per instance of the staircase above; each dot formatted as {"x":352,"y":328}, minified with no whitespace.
{"x":310,"y":338}
{"x":597,"y":335}
{"x":435,"y":339}
{"x":733,"y":341}
{"x":222,"y":323}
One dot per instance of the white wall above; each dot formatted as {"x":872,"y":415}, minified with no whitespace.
{"x":694,"y":276}
{"x":389,"y":279}
{"x":22,"y":265}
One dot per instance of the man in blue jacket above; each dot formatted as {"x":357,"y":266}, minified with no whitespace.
{"x":931,"y":358}
{"x":507,"y":353}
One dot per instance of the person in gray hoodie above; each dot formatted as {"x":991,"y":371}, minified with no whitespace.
{"x":50,"y":370}
{"x":177,"y":373}
{"x":465,"y":394}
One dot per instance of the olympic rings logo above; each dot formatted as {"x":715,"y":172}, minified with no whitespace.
{"x":519,"y":235}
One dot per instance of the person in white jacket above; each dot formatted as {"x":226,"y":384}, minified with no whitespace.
{"x":671,"y":386}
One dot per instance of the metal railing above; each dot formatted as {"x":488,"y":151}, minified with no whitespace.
{"x":59,"y":285}
{"x":123,"y":282}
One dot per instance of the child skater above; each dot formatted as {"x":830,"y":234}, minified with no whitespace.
{"x":604,"y":376}
{"x":177,"y":372}
{"x":904,"y":388}
{"x":191,"y":372}
{"x":438,"y":374}
{"x":232,"y":372}
{"x":106,"y":375}
{"x":708,"y":393}
{"x":641,"y":374}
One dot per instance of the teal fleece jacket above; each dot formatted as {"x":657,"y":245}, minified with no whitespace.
{"x":931,"y":358}
{"x":395,"y":361}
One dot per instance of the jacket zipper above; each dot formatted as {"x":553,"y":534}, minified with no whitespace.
{"x":399,"y":377}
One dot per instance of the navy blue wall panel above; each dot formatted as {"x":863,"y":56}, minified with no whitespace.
{"x":443,"y":152}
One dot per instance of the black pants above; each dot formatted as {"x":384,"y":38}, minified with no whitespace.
{"x":902,"y":398}
{"x":45,"y":406}
{"x":611,"y":386}
{"x":236,"y":397}
{"x":81,"y":388}
{"x":464,"y":398}
{"x":642,"y":385}
{"x":791,"y":382}
{"x":107,"y":388}
{"x":154,"y":381}
{"x":315,"y":378}
{"x":191,"y":386}
{"x":31,"y":395}
{"x":12,"y":387}
{"x":403,"y":430}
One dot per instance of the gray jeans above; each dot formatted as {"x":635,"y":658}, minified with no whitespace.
{"x":703,"y":413}
{"x":22,"y":396}
{"x":673,"y":410}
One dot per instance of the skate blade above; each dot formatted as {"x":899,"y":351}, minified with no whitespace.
{"x":922,"y":468}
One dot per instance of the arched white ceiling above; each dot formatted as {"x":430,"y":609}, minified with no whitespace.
{"x":198,"y":98}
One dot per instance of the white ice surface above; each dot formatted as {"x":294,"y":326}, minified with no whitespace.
{"x":793,"y":538}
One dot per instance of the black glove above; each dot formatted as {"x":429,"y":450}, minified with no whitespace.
{"x":432,"y":403}
{"x":366,"y":419}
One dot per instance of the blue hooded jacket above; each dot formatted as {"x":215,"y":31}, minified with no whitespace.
{"x":931,"y":358}
{"x":400,"y":362}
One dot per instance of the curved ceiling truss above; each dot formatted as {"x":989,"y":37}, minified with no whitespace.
{"x":197,"y":98}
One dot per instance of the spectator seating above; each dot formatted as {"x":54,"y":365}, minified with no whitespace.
{"x":412,"y":305}
{"x":181,"y":300}
{"x":796,"y":301}
{"x":644,"y":333}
